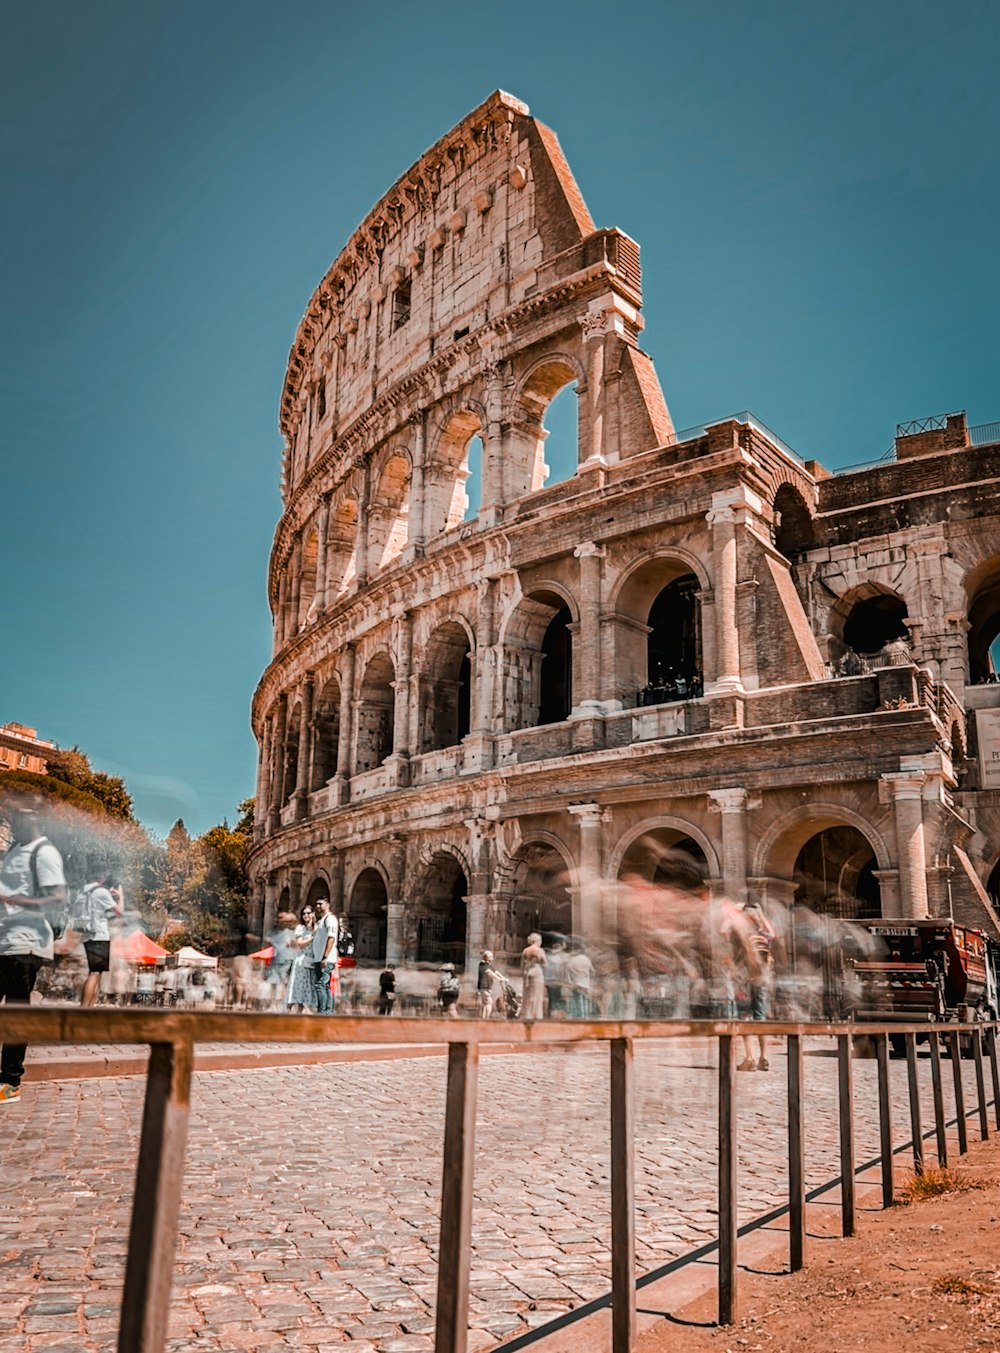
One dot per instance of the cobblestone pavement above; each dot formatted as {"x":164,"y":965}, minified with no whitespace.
{"x":311,"y":1194}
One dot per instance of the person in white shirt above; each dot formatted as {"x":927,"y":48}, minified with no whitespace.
{"x":324,"y":955}
{"x":94,"y":906}
{"x":31,"y":878}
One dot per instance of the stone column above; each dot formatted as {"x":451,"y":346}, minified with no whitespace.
{"x":403,"y":626}
{"x":322,"y":531}
{"x":270,"y":909}
{"x":587,"y":903}
{"x":594,"y":326}
{"x":493,"y":485}
{"x":478,"y":899}
{"x":338,"y":903}
{"x":395,"y":936}
{"x":278,"y":765}
{"x":732,"y":804}
{"x":346,"y":732}
{"x":907,"y":789}
{"x":588,"y":663}
{"x":722,"y":520}
{"x":294,"y":587}
{"x":262,"y":799}
{"x":305,"y":749}
{"x":415,"y":524}
{"x":364,"y":497}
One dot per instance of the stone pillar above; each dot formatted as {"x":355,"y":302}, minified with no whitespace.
{"x":722,"y":520}
{"x":346,"y":733}
{"x":493,"y":486}
{"x":588,"y":664}
{"x":278,"y":765}
{"x":415,"y":522}
{"x":323,"y":532}
{"x":594,"y":326}
{"x":403,"y":637}
{"x":262,"y":800}
{"x":478,"y":899}
{"x":364,"y":500}
{"x":270,"y":909}
{"x":294,"y":587}
{"x":907,"y":788}
{"x":395,"y":938}
{"x":305,"y":749}
{"x":732,"y":804}
{"x":338,"y":903}
{"x":394,"y":933}
{"x":587,"y":903}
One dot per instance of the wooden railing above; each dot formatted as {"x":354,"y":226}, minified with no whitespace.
{"x":172,"y":1037}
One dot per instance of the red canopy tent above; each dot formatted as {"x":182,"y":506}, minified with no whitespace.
{"x":265,"y":955}
{"x":137,"y":948}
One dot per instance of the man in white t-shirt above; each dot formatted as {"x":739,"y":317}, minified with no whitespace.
{"x":324,"y":955}
{"x":96,"y":903}
{"x":31,"y":878}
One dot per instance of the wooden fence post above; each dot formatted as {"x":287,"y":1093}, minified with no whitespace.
{"x":916,"y":1123}
{"x":727,"y":1181}
{"x":995,"y":1071}
{"x":885,"y":1117}
{"x":796,"y":1158}
{"x":955,"y":1045}
{"x":451,"y":1331}
{"x":623,"y":1317}
{"x":940,"y":1127}
{"x":845,"y":1080}
{"x":977,"y":1052}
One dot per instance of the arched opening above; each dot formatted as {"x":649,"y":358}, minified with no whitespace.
{"x":673,"y":664}
{"x":984,"y":631}
{"x":307,"y":581}
{"x":538,"y":649}
{"x":445,"y":689}
{"x":367,"y":916}
{"x":662,"y":855}
{"x":794,"y":531}
{"x":441,"y":919}
{"x":284,"y":899}
{"x":326,"y":735}
{"x":475,"y":453}
{"x":546,"y":406}
{"x":342,"y":547}
{"x":835,"y":874}
{"x":875,"y":621}
{"x":447,"y":502}
{"x":375,"y":713}
{"x":540,"y":897}
{"x":292,"y":751}
{"x":317,"y":889}
{"x":388,"y":518}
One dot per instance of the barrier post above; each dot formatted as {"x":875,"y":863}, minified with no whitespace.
{"x":885,"y":1117}
{"x":940,"y":1127}
{"x":623,"y":1317}
{"x":156,"y":1202}
{"x":845,"y":1080}
{"x":955,"y":1046}
{"x":977,"y":1052}
{"x":913,"y":1085}
{"x":995,"y":1071}
{"x":452,"y":1319}
{"x":796,"y":1158}
{"x":727,"y":1180}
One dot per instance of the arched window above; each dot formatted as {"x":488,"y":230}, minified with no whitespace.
{"x":326,"y":734}
{"x":367,"y":917}
{"x":672,"y":646}
{"x":664,"y":855}
{"x":538,"y":662}
{"x":475,"y":454}
{"x":388,"y":518}
{"x":445,"y":689}
{"x":440,"y":917}
{"x":540,"y":897}
{"x":984,"y":629}
{"x":874,"y":622}
{"x":835,"y":874}
{"x":375,"y":714}
{"x":292,"y":751}
{"x":556,"y":686}
{"x":447,"y":502}
{"x":341,"y":560}
{"x":794,"y":532}
{"x":562,"y":441}
{"x":546,"y":406}
{"x":307,"y":581}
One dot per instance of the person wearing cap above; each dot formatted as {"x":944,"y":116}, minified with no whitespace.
{"x":486,"y":985}
{"x":449,"y":990}
{"x":31,"y":878}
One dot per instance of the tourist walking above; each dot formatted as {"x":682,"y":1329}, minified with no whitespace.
{"x":449,"y":990}
{"x":758,"y":986}
{"x":387,"y":989}
{"x":31,"y":878}
{"x":93,"y":908}
{"x":302,"y":974}
{"x":533,"y":963}
{"x":580,"y":978}
{"x":324,"y":955}
{"x":487,"y":983}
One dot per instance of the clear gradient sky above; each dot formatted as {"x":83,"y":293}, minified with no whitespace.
{"x":815,"y":190}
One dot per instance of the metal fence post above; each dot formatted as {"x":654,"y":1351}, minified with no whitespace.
{"x":913,"y":1085}
{"x":977,"y":1052}
{"x":623,"y":1317}
{"x":156,"y":1203}
{"x":995,"y":1071}
{"x":955,"y":1045}
{"x":885,"y":1117}
{"x":452,"y":1318}
{"x":727,"y":1180}
{"x":796,"y":1158}
{"x":845,"y":1079}
{"x":940,"y":1128}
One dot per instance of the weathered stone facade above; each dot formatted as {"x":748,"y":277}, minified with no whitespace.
{"x":472,"y":723}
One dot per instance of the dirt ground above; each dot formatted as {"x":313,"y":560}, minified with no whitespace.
{"x":923,"y":1275}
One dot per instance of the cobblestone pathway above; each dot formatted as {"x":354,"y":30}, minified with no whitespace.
{"x":311,"y":1195}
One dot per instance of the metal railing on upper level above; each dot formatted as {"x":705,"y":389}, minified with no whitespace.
{"x":172,"y":1037}
{"x":983,"y":434}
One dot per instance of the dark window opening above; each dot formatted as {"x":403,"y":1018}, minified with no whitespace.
{"x":557,"y":670}
{"x":400,"y":305}
{"x":320,"y":401}
{"x":460,"y":333}
{"x":875,"y":622}
{"x":672,"y":666}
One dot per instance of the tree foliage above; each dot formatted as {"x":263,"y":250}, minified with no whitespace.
{"x":71,"y":766}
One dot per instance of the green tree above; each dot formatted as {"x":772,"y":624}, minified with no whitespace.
{"x":72,"y":766}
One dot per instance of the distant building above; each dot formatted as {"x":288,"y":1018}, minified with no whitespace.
{"x":22,"y":749}
{"x":480,"y":715}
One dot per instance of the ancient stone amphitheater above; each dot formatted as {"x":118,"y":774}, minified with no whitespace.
{"x":492,"y":694}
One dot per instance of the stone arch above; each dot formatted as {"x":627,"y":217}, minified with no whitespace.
{"x":445,"y":687}
{"x":657,"y":619}
{"x":524,"y":465}
{"x":326,"y":732}
{"x":538,"y":657}
{"x":779,"y":846}
{"x":366,"y":913}
{"x":669,"y":832}
{"x":342,"y":547}
{"x":983,"y":592}
{"x":375,"y":713}
{"x":437,"y":915}
{"x":389,"y":513}
{"x":291,"y":749}
{"x":319,"y":887}
{"x":794,"y":528}
{"x":446,"y":501}
{"x":868,"y":617}
{"x":536,"y":885}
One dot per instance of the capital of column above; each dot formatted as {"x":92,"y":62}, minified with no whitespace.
{"x":905,"y":784}
{"x":588,"y":550}
{"x":732,"y":800}
{"x":589,"y":814}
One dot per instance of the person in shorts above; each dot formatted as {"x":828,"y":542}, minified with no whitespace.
{"x":759,"y":985}
{"x":96,"y":903}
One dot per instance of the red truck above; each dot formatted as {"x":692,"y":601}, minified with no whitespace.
{"x":934,"y":970}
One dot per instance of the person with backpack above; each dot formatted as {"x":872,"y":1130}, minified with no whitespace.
{"x":31,"y":879}
{"x":90,"y":918}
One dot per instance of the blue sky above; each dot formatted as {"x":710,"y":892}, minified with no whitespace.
{"x":815,"y":191}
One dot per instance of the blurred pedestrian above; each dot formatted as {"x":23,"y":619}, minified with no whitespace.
{"x":449,"y":990}
{"x":90,"y":918}
{"x":579,"y":979}
{"x":324,"y":956}
{"x":387,"y":989}
{"x":555,"y":978}
{"x":759,"y":986}
{"x":533,"y":965}
{"x":487,"y":983}
{"x":31,"y":878}
{"x":302,"y":975}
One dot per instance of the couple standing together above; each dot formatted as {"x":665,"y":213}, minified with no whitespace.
{"x":312,"y":973}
